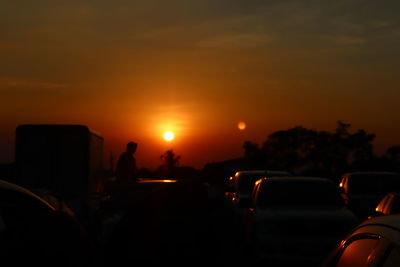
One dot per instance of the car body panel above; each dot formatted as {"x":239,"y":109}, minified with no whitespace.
{"x":385,"y":230}
{"x":293,"y":232}
{"x":390,"y":204}
{"x":35,"y":232}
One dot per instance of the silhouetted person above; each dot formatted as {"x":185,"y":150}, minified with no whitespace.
{"x":126,"y":165}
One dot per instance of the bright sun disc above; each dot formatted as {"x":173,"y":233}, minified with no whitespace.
{"x":169,"y":136}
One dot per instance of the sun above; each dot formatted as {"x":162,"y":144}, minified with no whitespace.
{"x":169,"y":136}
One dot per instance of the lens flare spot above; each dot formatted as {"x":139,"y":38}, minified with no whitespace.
{"x":241,"y":125}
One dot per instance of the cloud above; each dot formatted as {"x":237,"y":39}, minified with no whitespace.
{"x":236,"y":41}
{"x":11,"y":85}
{"x":90,"y":39}
{"x":349,"y":40}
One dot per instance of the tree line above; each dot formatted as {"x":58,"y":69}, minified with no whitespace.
{"x":308,"y":151}
{"x":299,"y":150}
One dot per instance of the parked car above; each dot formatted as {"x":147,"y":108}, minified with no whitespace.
{"x":296,"y":219}
{"x":124,"y":196}
{"x":123,"y":193}
{"x":390,"y":204}
{"x":241,"y":185}
{"x":163,"y":222}
{"x":35,"y":232}
{"x":363,"y":190}
{"x":375,"y":242}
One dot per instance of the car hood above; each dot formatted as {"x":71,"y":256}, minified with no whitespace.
{"x":306,"y":221}
{"x":306,"y":212}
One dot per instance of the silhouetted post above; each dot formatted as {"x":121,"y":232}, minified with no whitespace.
{"x":111,"y":163}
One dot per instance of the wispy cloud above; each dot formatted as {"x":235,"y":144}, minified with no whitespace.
{"x":236,"y":41}
{"x":348,"y":40}
{"x":22,"y":85}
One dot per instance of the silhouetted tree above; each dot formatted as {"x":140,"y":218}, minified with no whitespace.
{"x":391,"y":159}
{"x":289,"y":149}
{"x":393,"y":153}
{"x":251,"y":150}
{"x":253,"y":155}
{"x":169,"y":163}
{"x":361,"y":146}
{"x":342,"y":129}
{"x":302,"y":150}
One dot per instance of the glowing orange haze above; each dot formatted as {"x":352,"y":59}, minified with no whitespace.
{"x":197,"y":68}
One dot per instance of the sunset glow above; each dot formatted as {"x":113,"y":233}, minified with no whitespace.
{"x":146,"y":115}
{"x":227,"y":73}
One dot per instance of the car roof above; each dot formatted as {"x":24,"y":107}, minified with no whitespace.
{"x":152,"y":181}
{"x":370,"y":172}
{"x":298,"y":178}
{"x":391,"y":221}
{"x":10,"y":187}
{"x":291,"y":179}
{"x":261,"y":172}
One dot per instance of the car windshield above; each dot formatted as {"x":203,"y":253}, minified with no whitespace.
{"x":299,"y":193}
{"x":246,"y":181}
{"x":374,"y":183}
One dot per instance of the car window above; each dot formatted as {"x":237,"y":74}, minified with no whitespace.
{"x":362,"y":184}
{"x":299,"y":193}
{"x":395,"y":207}
{"x":373,"y":183}
{"x":246,"y":182}
{"x":392,"y":259}
{"x":357,"y":253}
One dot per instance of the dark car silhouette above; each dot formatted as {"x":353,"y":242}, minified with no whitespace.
{"x":162,"y":222}
{"x":363,"y":190}
{"x":296,"y":219}
{"x":375,"y":242}
{"x":241,"y":185}
{"x":33,"y":232}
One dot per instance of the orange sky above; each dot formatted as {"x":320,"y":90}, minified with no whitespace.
{"x":133,"y":69}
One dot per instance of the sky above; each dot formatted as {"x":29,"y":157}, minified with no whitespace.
{"x":133,"y":69}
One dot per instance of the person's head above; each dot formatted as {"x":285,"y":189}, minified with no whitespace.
{"x":131,"y":147}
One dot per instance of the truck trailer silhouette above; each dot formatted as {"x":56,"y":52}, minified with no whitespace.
{"x":62,"y":160}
